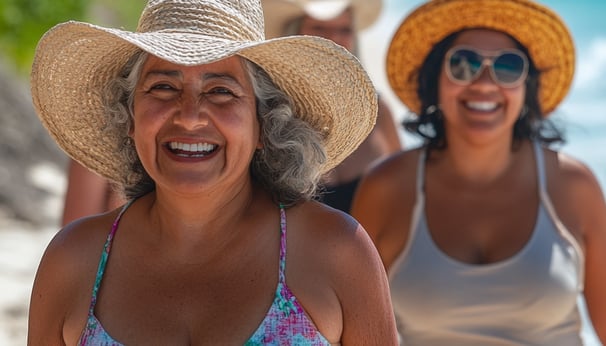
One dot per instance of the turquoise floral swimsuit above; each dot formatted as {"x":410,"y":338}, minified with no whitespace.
{"x":285,"y":323}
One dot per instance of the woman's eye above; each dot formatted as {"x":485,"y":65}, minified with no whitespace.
{"x":161,"y":87}
{"x":220,"y":91}
{"x":219,"y":95}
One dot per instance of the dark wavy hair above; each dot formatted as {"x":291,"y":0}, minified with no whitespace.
{"x":429,"y":124}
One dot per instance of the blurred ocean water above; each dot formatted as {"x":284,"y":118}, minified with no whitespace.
{"x":585,"y":130}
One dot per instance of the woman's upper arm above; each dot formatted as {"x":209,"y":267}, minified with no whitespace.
{"x":363,"y":291}
{"x":63,"y":284}
{"x":49,"y":300}
{"x":384,"y":201}
{"x":86,"y":193}
{"x":387,"y":125}
{"x":594,"y":236}
{"x":368,"y":201}
{"x":579,"y":202}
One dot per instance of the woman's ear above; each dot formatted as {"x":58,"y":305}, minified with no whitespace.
{"x":131,"y":130}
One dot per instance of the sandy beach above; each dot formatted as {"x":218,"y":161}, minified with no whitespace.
{"x":21,"y":246}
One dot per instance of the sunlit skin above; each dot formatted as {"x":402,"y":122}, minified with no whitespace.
{"x":465,"y":123}
{"x":212,"y":104}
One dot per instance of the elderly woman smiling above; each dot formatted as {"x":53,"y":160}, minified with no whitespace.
{"x":219,"y":139}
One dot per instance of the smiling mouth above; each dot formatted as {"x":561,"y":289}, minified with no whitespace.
{"x":191,"y":149}
{"x":482,"y":106}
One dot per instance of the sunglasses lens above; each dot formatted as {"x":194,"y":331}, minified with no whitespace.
{"x":509,"y":68}
{"x":464,"y":65}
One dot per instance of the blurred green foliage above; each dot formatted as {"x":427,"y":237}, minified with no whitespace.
{"x":23,"y":22}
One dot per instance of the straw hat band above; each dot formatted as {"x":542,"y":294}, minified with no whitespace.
{"x":541,"y":31}
{"x":216,"y":20}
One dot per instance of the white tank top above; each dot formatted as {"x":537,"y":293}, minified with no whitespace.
{"x":527,"y":299}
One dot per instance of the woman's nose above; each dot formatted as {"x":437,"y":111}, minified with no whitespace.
{"x":192,"y":111}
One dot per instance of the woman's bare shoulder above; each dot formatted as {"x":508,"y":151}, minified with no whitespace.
{"x":575,"y":193}
{"x":390,"y":181}
{"x":83,"y":236}
{"x":325,"y":230}
{"x":76,"y":249}
{"x":398,"y":168}
{"x":569,"y":174}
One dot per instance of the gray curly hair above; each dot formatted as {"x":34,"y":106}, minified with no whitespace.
{"x":288,"y":166}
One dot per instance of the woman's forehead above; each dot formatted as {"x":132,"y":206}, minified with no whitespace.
{"x":485,"y":39}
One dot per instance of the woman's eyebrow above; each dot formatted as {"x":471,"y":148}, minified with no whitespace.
{"x":220,"y":75}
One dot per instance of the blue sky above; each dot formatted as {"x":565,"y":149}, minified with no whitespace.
{"x":583,"y":112}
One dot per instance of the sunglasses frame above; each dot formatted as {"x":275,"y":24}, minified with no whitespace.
{"x":488,"y":59}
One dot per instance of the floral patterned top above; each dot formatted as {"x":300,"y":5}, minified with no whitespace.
{"x":286,"y":323}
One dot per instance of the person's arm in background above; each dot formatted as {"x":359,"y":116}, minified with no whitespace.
{"x":86,"y":194}
{"x":387,"y":125}
{"x":592,"y":207}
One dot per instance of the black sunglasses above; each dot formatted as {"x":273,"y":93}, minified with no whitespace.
{"x":508,"y":67}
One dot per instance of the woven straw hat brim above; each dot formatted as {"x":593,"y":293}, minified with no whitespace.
{"x":278,"y":13}
{"x":539,"y":29}
{"x":74,"y":61}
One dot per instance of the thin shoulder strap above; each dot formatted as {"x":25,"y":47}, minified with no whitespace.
{"x":417,"y":212}
{"x":104,"y":256}
{"x":421,"y":172}
{"x":540,"y":163}
{"x":282,"y":273}
{"x":548,"y":205}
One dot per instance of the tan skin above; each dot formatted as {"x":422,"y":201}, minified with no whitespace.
{"x":384,"y":139}
{"x":180,"y":274}
{"x":470,"y":183}
{"x":87,"y":194}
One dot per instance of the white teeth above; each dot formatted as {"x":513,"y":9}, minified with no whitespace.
{"x":193,"y":147}
{"x":482,"y":106}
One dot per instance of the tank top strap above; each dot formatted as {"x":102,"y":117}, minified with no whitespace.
{"x":551,"y":211}
{"x":421,"y":172}
{"x":104,"y":256}
{"x":540,"y":163}
{"x":282,"y":273}
{"x":417,"y":216}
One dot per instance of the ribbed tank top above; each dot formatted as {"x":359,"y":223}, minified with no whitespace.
{"x":527,"y":299}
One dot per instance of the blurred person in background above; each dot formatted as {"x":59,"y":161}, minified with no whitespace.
{"x":489,"y":234}
{"x":339,"y":21}
{"x":87,"y":194}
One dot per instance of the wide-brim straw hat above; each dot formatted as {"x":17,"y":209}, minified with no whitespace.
{"x":536,"y":27}
{"x":278,"y":13}
{"x":75,"y":60}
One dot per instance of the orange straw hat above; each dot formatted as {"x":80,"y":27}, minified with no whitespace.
{"x":536,"y":27}
{"x":278,"y":13}
{"x":74,"y":61}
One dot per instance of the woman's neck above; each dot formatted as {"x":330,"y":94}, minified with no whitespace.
{"x":480,"y":164}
